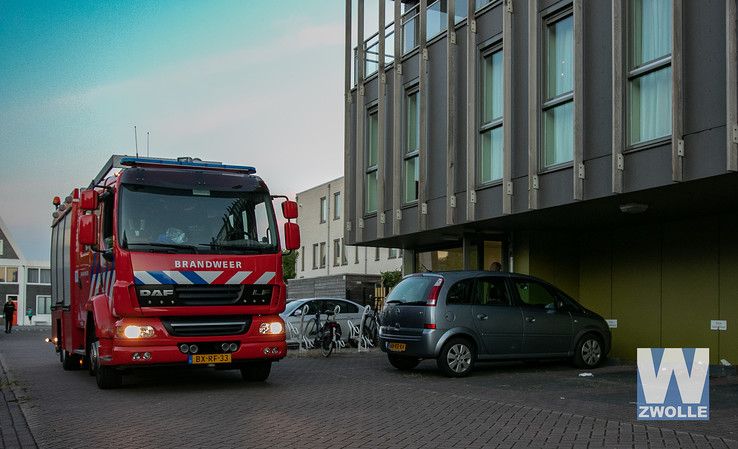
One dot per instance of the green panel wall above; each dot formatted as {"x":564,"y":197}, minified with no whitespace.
{"x":554,"y":256}
{"x":728,"y":340}
{"x":690,"y":285}
{"x":595,"y":272}
{"x":636,"y":290}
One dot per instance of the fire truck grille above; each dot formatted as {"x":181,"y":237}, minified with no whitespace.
{"x":206,"y":326}
{"x":204,"y":295}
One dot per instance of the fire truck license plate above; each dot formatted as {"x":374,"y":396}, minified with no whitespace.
{"x":206,"y":359}
{"x":396,"y":347}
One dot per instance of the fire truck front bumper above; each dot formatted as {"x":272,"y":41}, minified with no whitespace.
{"x":196,"y":352}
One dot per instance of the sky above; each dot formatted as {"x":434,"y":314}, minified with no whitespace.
{"x":253,"y":82}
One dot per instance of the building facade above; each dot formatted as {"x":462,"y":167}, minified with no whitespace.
{"x":591,"y":143}
{"x":26,"y":283}
{"x":325,"y":265}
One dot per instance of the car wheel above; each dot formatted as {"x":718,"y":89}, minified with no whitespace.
{"x":403,"y":363}
{"x":457,"y":358}
{"x":256,"y":371}
{"x":589,"y":352}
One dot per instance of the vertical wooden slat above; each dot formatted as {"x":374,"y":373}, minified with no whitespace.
{"x":397,"y":114}
{"x":731,"y":84}
{"x":451,"y":114}
{"x":579,"y":93}
{"x":618,"y":89}
{"x":471,"y":112}
{"x":381,"y":122}
{"x":533,"y":104}
{"x":507,"y":108}
{"x":360,"y":125}
{"x":677,"y":99}
{"x":347,"y":158}
{"x":423,"y":154}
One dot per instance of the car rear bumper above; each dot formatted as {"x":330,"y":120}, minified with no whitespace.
{"x":421,"y":345}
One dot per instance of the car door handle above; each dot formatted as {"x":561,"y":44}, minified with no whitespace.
{"x":482,"y":316}
{"x":530,"y":319}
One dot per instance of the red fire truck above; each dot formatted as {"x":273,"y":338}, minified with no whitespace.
{"x":169,"y":262}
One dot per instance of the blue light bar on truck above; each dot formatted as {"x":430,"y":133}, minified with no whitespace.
{"x":184,"y":162}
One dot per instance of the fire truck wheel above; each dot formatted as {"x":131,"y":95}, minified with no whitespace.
{"x":256,"y":371}
{"x":70,"y":362}
{"x":108,"y":377}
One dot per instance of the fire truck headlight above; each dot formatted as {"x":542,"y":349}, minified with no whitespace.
{"x":273,"y":328}
{"x":133,"y":331}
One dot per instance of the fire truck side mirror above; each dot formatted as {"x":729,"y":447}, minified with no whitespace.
{"x":88,"y":230}
{"x":289,"y":209}
{"x":88,"y":199}
{"x":291,"y":236}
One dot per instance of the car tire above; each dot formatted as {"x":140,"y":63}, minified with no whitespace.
{"x":403,"y":363}
{"x":256,"y":371}
{"x":457,"y":358}
{"x":589,"y":352}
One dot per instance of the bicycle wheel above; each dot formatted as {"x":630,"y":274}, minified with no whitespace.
{"x":327,"y":344}
{"x":371,"y":329}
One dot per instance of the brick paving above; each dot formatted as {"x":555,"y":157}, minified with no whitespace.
{"x":348,"y":400}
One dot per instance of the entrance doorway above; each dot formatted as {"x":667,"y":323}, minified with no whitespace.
{"x":13,"y":298}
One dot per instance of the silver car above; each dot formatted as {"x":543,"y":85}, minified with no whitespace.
{"x":461,"y":317}
{"x":292,"y":315}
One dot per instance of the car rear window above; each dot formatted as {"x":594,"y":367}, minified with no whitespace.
{"x":412,"y":290}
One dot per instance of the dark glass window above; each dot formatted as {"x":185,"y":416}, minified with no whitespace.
{"x":491,"y":291}
{"x":461,"y":293}
{"x":535,"y":294}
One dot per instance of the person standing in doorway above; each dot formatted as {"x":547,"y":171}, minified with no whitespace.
{"x":495,"y":266}
{"x":8,"y":310}
{"x":29,"y":314}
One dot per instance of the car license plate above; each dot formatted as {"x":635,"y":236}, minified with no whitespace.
{"x":206,"y":359}
{"x":396,"y":347}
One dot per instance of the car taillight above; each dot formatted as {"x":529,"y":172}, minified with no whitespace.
{"x":432,"y":299}
{"x":430,"y":325}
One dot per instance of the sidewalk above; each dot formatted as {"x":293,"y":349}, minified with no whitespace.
{"x":14,"y":430}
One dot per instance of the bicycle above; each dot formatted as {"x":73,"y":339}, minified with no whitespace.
{"x":329,"y":334}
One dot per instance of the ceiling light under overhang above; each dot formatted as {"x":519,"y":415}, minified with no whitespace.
{"x":633,"y":208}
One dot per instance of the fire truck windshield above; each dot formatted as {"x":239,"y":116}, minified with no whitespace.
{"x":161,"y":219}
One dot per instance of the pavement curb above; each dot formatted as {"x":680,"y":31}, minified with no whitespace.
{"x":21,"y":435}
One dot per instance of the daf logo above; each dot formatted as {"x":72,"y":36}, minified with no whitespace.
{"x":158,"y":292}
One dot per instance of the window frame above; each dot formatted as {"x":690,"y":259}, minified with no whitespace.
{"x":5,"y":268}
{"x":51,"y":304}
{"x":323,"y":209}
{"x":336,"y":205}
{"x":635,"y":72}
{"x":412,"y":89}
{"x":323,"y":255}
{"x":315,"y":256}
{"x":337,"y":252}
{"x":511,"y":299}
{"x":370,"y":169}
{"x":497,"y":45}
{"x":549,"y":104}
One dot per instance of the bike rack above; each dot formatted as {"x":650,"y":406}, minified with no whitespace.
{"x":363,"y":341}
{"x":302,"y":339}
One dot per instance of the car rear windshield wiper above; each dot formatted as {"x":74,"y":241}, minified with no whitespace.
{"x":163,"y":245}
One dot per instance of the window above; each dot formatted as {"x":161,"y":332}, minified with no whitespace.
{"x":394,"y":253}
{"x":323,"y":210}
{"x":649,"y":70}
{"x":356,"y":255}
{"x":376,"y":253}
{"x":336,"y":252}
{"x":43,"y":305}
{"x":460,"y":293}
{"x":2,"y":247}
{"x":491,"y":138}
{"x":9,"y":275}
{"x":344,"y":259}
{"x":534,"y":294}
{"x":302,"y":258}
{"x":370,"y":194}
{"x":412,"y":147}
{"x":410,"y":31}
{"x":33,"y":276}
{"x":39,"y":276}
{"x":337,"y":205}
{"x":558,"y":95}
{"x":315,"y":256}
{"x":491,"y":291}
{"x":322,"y":254}
{"x":346,"y":307}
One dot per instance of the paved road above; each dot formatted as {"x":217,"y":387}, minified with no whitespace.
{"x":348,"y":400}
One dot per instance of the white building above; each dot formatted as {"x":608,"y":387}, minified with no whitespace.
{"x":325,"y":265}
{"x":27,"y":283}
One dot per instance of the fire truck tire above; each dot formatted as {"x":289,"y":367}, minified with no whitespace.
{"x":70,"y":362}
{"x":256,"y":371}
{"x":108,"y":377}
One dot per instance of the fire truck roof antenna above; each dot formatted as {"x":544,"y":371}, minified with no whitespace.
{"x":135,"y":138}
{"x":147,"y":143}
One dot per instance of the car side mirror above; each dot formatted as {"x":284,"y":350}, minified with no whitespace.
{"x":289,"y":209}
{"x":88,"y":199}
